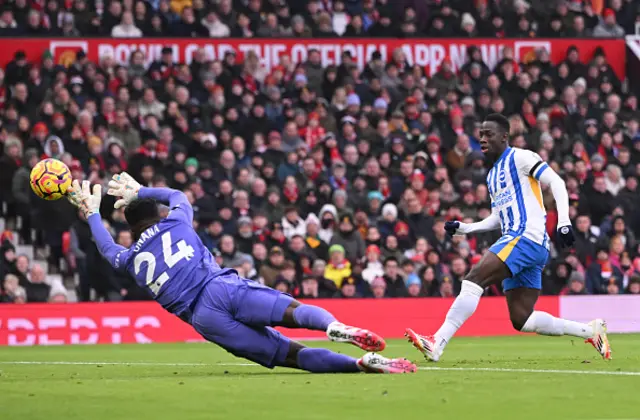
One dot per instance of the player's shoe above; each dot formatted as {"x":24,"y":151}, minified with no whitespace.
{"x":360,"y":337}
{"x":599,"y":339}
{"x":426,"y":344}
{"x":374,"y":363}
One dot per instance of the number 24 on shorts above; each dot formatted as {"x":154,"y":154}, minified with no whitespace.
{"x":184,"y":252}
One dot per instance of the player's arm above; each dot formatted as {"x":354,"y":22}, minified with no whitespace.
{"x":111,"y":251}
{"x":490,"y":223}
{"x":535,"y":167}
{"x":179,"y":205}
{"x":89,"y":203}
{"x":128,"y":189}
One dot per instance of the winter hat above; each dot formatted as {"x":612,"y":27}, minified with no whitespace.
{"x":390,"y":209}
{"x":191,"y":162}
{"x":375,"y":195}
{"x":312,"y":218}
{"x":467,"y":19}
{"x":353,"y":100}
{"x":339,"y":193}
{"x":94,"y":141}
{"x":412,"y":279}
{"x":300,"y":78}
{"x":336,"y":248}
{"x":380,"y":103}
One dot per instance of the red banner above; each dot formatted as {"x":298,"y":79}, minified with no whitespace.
{"x":428,"y":53}
{"x":147,"y":322}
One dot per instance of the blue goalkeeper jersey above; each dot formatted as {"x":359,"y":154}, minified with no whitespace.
{"x":169,"y":259}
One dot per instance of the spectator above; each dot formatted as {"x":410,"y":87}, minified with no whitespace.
{"x":348,"y":289}
{"x":608,"y":27}
{"x":395,"y":283}
{"x":216,"y":28}
{"x":602,"y":276}
{"x":292,"y":223}
{"x":37,"y":289}
{"x":270,"y":270}
{"x":126,"y":28}
{"x":288,"y":158}
{"x":338,"y":266}
{"x":347,"y":237}
{"x":414,"y":286}
{"x":379,"y":288}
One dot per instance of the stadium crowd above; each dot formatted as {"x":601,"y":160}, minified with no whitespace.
{"x":318,"y":18}
{"x":320,"y":181}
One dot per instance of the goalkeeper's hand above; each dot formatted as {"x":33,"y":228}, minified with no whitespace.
{"x":125,"y":187}
{"x":81,"y":196}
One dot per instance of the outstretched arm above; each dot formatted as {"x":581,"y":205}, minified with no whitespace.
{"x":111,"y":251}
{"x":490,"y":223}
{"x":179,"y":205}
{"x":88,"y":202}
{"x":128,"y":189}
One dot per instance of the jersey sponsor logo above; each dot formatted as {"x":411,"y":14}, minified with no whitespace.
{"x":503,"y":198}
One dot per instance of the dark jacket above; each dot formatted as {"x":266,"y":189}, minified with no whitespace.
{"x":353,"y":244}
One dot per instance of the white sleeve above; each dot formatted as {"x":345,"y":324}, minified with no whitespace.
{"x":559,"y":190}
{"x":530,"y":164}
{"x":490,"y":223}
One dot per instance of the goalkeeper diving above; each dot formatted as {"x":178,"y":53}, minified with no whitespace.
{"x":170,"y":262}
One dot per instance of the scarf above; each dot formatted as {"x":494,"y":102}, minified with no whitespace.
{"x":606,"y":269}
{"x":291,"y":194}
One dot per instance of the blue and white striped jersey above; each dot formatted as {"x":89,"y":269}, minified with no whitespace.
{"x":516,"y":196}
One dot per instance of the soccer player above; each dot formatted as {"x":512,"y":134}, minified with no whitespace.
{"x":170,"y":262}
{"x":519,"y":256}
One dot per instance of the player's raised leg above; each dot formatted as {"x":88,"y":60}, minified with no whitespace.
{"x":521,"y":302}
{"x":490,"y":270}
{"x":299,"y":315}
{"x":263,"y":306}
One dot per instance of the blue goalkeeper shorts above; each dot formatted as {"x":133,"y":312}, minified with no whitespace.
{"x":236,"y":314}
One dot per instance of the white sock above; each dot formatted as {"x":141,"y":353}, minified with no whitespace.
{"x":463,"y":307}
{"x":546,"y":324}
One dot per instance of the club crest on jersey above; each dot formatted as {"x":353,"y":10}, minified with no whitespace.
{"x":502,"y":177}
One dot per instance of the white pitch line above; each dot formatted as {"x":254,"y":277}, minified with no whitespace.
{"x":35,"y":362}
{"x":429,"y":368}
{"x":509,"y":370}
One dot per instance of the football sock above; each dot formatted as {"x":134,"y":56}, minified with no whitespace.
{"x":463,"y":307}
{"x":546,"y":324}
{"x":325,"y":361}
{"x":312,"y":317}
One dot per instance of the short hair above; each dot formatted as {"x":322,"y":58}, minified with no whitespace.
{"x":501,"y":120}
{"x":390,"y":259}
{"x":140,"y":214}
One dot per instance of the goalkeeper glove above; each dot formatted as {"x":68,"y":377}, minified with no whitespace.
{"x":124,"y":186}
{"x":81,"y":196}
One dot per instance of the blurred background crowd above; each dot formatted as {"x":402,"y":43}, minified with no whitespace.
{"x":319,"y":18}
{"x":321,"y":181}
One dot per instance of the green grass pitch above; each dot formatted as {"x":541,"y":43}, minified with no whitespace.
{"x":523,"y":377}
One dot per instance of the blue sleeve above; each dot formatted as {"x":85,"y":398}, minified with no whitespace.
{"x":179,"y":206}
{"x":112,"y":252}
